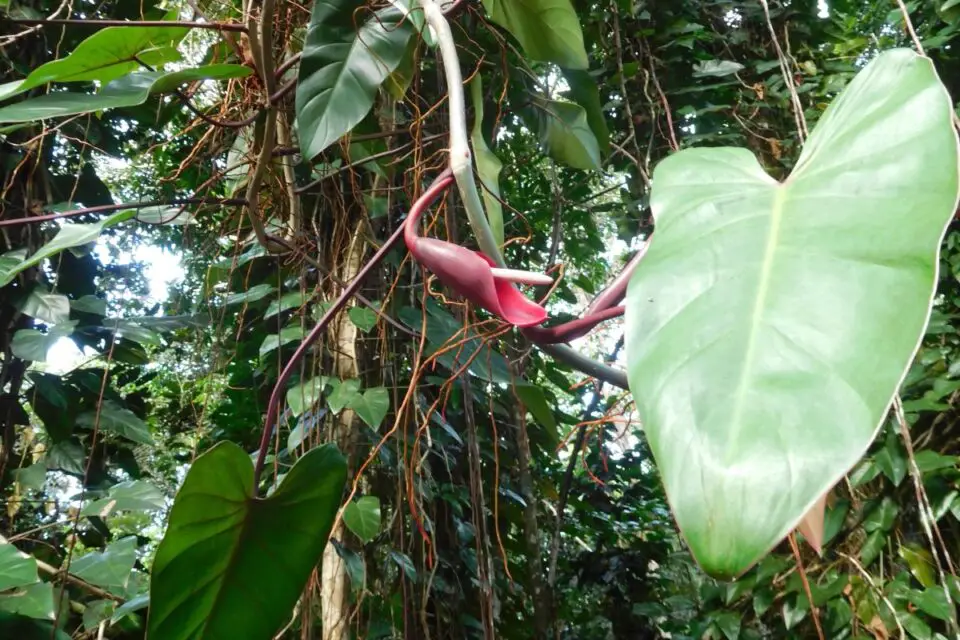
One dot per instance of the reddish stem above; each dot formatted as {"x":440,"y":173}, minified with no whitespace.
{"x":273,"y":406}
{"x":571,"y":330}
{"x":616,"y":290}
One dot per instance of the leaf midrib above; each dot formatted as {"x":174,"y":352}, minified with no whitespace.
{"x":763,"y":290}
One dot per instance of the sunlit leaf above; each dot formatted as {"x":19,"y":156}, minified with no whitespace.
{"x":566,"y":136}
{"x":770,"y":324}
{"x":548,"y":30}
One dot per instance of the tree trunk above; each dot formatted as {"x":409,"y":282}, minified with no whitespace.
{"x":334,"y":590}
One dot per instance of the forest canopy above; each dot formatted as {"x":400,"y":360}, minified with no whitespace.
{"x":479,"y":319}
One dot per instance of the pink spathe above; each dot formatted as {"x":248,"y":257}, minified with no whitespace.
{"x":469,"y":273}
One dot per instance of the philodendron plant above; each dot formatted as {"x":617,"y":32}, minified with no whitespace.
{"x":770,"y":324}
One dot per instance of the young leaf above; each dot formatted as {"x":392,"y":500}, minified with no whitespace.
{"x":342,"y":69}
{"x":364,"y":318}
{"x":770,"y":324}
{"x":548,"y":30}
{"x":51,"y":308}
{"x":372,"y":406}
{"x":222,"y":546}
{"x":344,"y":393}
{"x":363,"y":518}
{"x":566,"y":137}
{"x":488,"y":164}
{"x":117,"y":420}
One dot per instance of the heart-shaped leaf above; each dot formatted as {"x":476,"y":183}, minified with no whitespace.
{"x":770,"y":324}
{"x":363,"y":517}
{"x":372,"y":406}
{"x":343,"y":67}
{"x":231,"y":565}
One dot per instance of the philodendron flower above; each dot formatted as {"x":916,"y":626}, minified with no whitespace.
{"x":470,"y":273}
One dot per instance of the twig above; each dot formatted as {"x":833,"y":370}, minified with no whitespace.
{"x":216,"y":26}
{"x":108,"y":208}
{"x":567,"y":481}
{"x":910,"y":29}
{"x":74,"y":580}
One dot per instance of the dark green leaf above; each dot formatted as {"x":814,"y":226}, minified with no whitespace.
{"x":223,"y":547}
{"x":364,"y":318}
{"x":342,"y":68}
{"x":566,"y":136}
{"x":51,"y":308}
{"x":109,"y":568}
{"x":117,"y":420}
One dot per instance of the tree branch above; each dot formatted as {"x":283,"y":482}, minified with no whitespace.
{"x":109,"y":208}
{"x":215,"y":26}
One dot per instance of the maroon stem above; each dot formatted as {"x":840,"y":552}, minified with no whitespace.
{"x":571,"y":330}
{"x":216,"y":26}
{"x":282,"y":69}
{"x":108,"y":208}
{"x":616,"y":290}
{"x":273,"y":406}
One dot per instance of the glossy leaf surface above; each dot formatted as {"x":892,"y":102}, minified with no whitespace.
{"x":548,"y":30}
{"x":233,"y":566}
{"x":342,"y":69}
{"x":770,"y":324}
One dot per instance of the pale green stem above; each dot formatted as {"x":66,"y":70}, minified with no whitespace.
{"x":461,"y":160}
{"x":461,"y":164}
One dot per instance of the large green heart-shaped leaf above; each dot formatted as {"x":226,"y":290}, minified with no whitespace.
{"x":233,"y":566}
{"x":770,"y":324}
{"x":548,"y":30}
{"x":342,"y":68}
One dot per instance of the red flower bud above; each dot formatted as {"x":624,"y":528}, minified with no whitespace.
{"x":470,"y":273}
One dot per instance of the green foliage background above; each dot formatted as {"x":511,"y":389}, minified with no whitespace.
{"x":505,"y":498}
